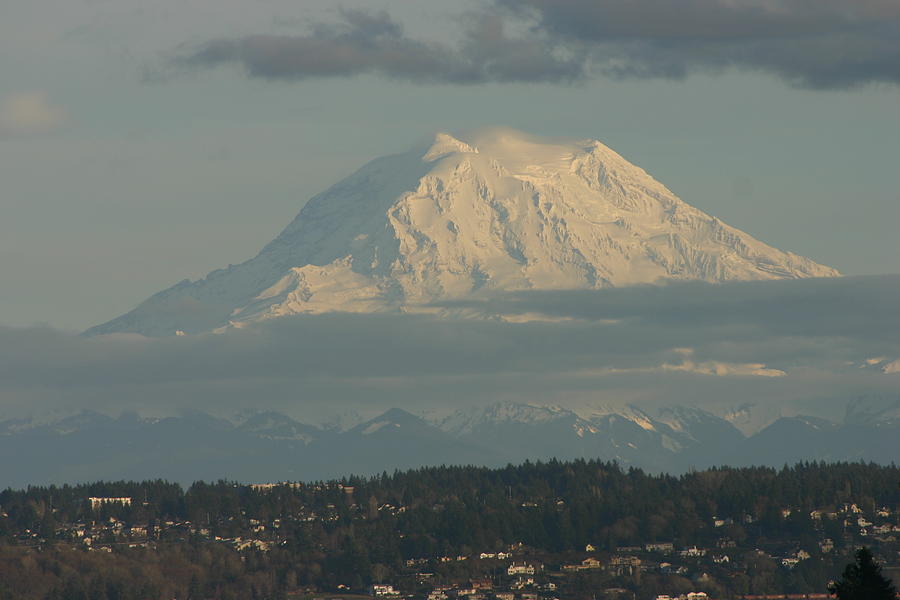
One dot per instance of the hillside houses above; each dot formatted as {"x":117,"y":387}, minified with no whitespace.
{"x":449,"y":547}
{"x":521,"y":569}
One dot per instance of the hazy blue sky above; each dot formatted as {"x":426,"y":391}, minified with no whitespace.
{"x":142,"y":143}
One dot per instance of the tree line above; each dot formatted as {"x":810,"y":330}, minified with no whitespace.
{"x":359,"y":530}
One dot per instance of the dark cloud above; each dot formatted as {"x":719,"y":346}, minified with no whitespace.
{"x":373,"y":43}
{"x":612,"y":346}
{"x":855,"y":307}
{"x":809,"y":43}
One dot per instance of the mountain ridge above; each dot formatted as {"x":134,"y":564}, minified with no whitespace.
{"x":270,"y":446}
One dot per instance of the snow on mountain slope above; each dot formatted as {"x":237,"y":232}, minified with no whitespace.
{"x":275,"y":426}
{"x":464,"y":422}
{"x":883,"y":410}
{"x":393,"y":419}
{"x":675,"y":438}
{"x":497,"y":210}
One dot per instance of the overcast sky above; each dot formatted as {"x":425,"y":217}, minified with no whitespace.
{"x":142,"y":143}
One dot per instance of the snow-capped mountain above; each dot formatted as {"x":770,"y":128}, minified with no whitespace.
{"x":672,"y":440}
{"x":471,"y":421}
{"x":496,"y":210}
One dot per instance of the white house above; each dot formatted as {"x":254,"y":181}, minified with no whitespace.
{"x":97,"y":502}
{"x":520,"y":569}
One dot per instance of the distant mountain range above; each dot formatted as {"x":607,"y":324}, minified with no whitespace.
{"x":269,"y":446}
{"x":463,"y":217}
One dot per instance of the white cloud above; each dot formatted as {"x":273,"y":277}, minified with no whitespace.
{"x":29,"y":113}
{"x":709,"y":367}
{"x":723,"y":369}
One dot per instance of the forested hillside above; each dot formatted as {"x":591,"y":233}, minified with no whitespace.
{"x":728,"y":531}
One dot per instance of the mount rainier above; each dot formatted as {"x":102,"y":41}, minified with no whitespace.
{"x":495,"y":210}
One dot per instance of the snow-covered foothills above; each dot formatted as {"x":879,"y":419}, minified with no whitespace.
{"x":496,"y":210}
{"x":270,"y":446}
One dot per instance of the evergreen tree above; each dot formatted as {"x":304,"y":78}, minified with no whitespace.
{"x":862,"y":580}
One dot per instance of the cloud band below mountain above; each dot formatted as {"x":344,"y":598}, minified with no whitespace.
{"x":782,"y":343}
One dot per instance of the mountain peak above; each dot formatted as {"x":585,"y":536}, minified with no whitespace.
{"x":394,"y":418}
{"x":445,"y":144}
{"x":486,"y":211}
